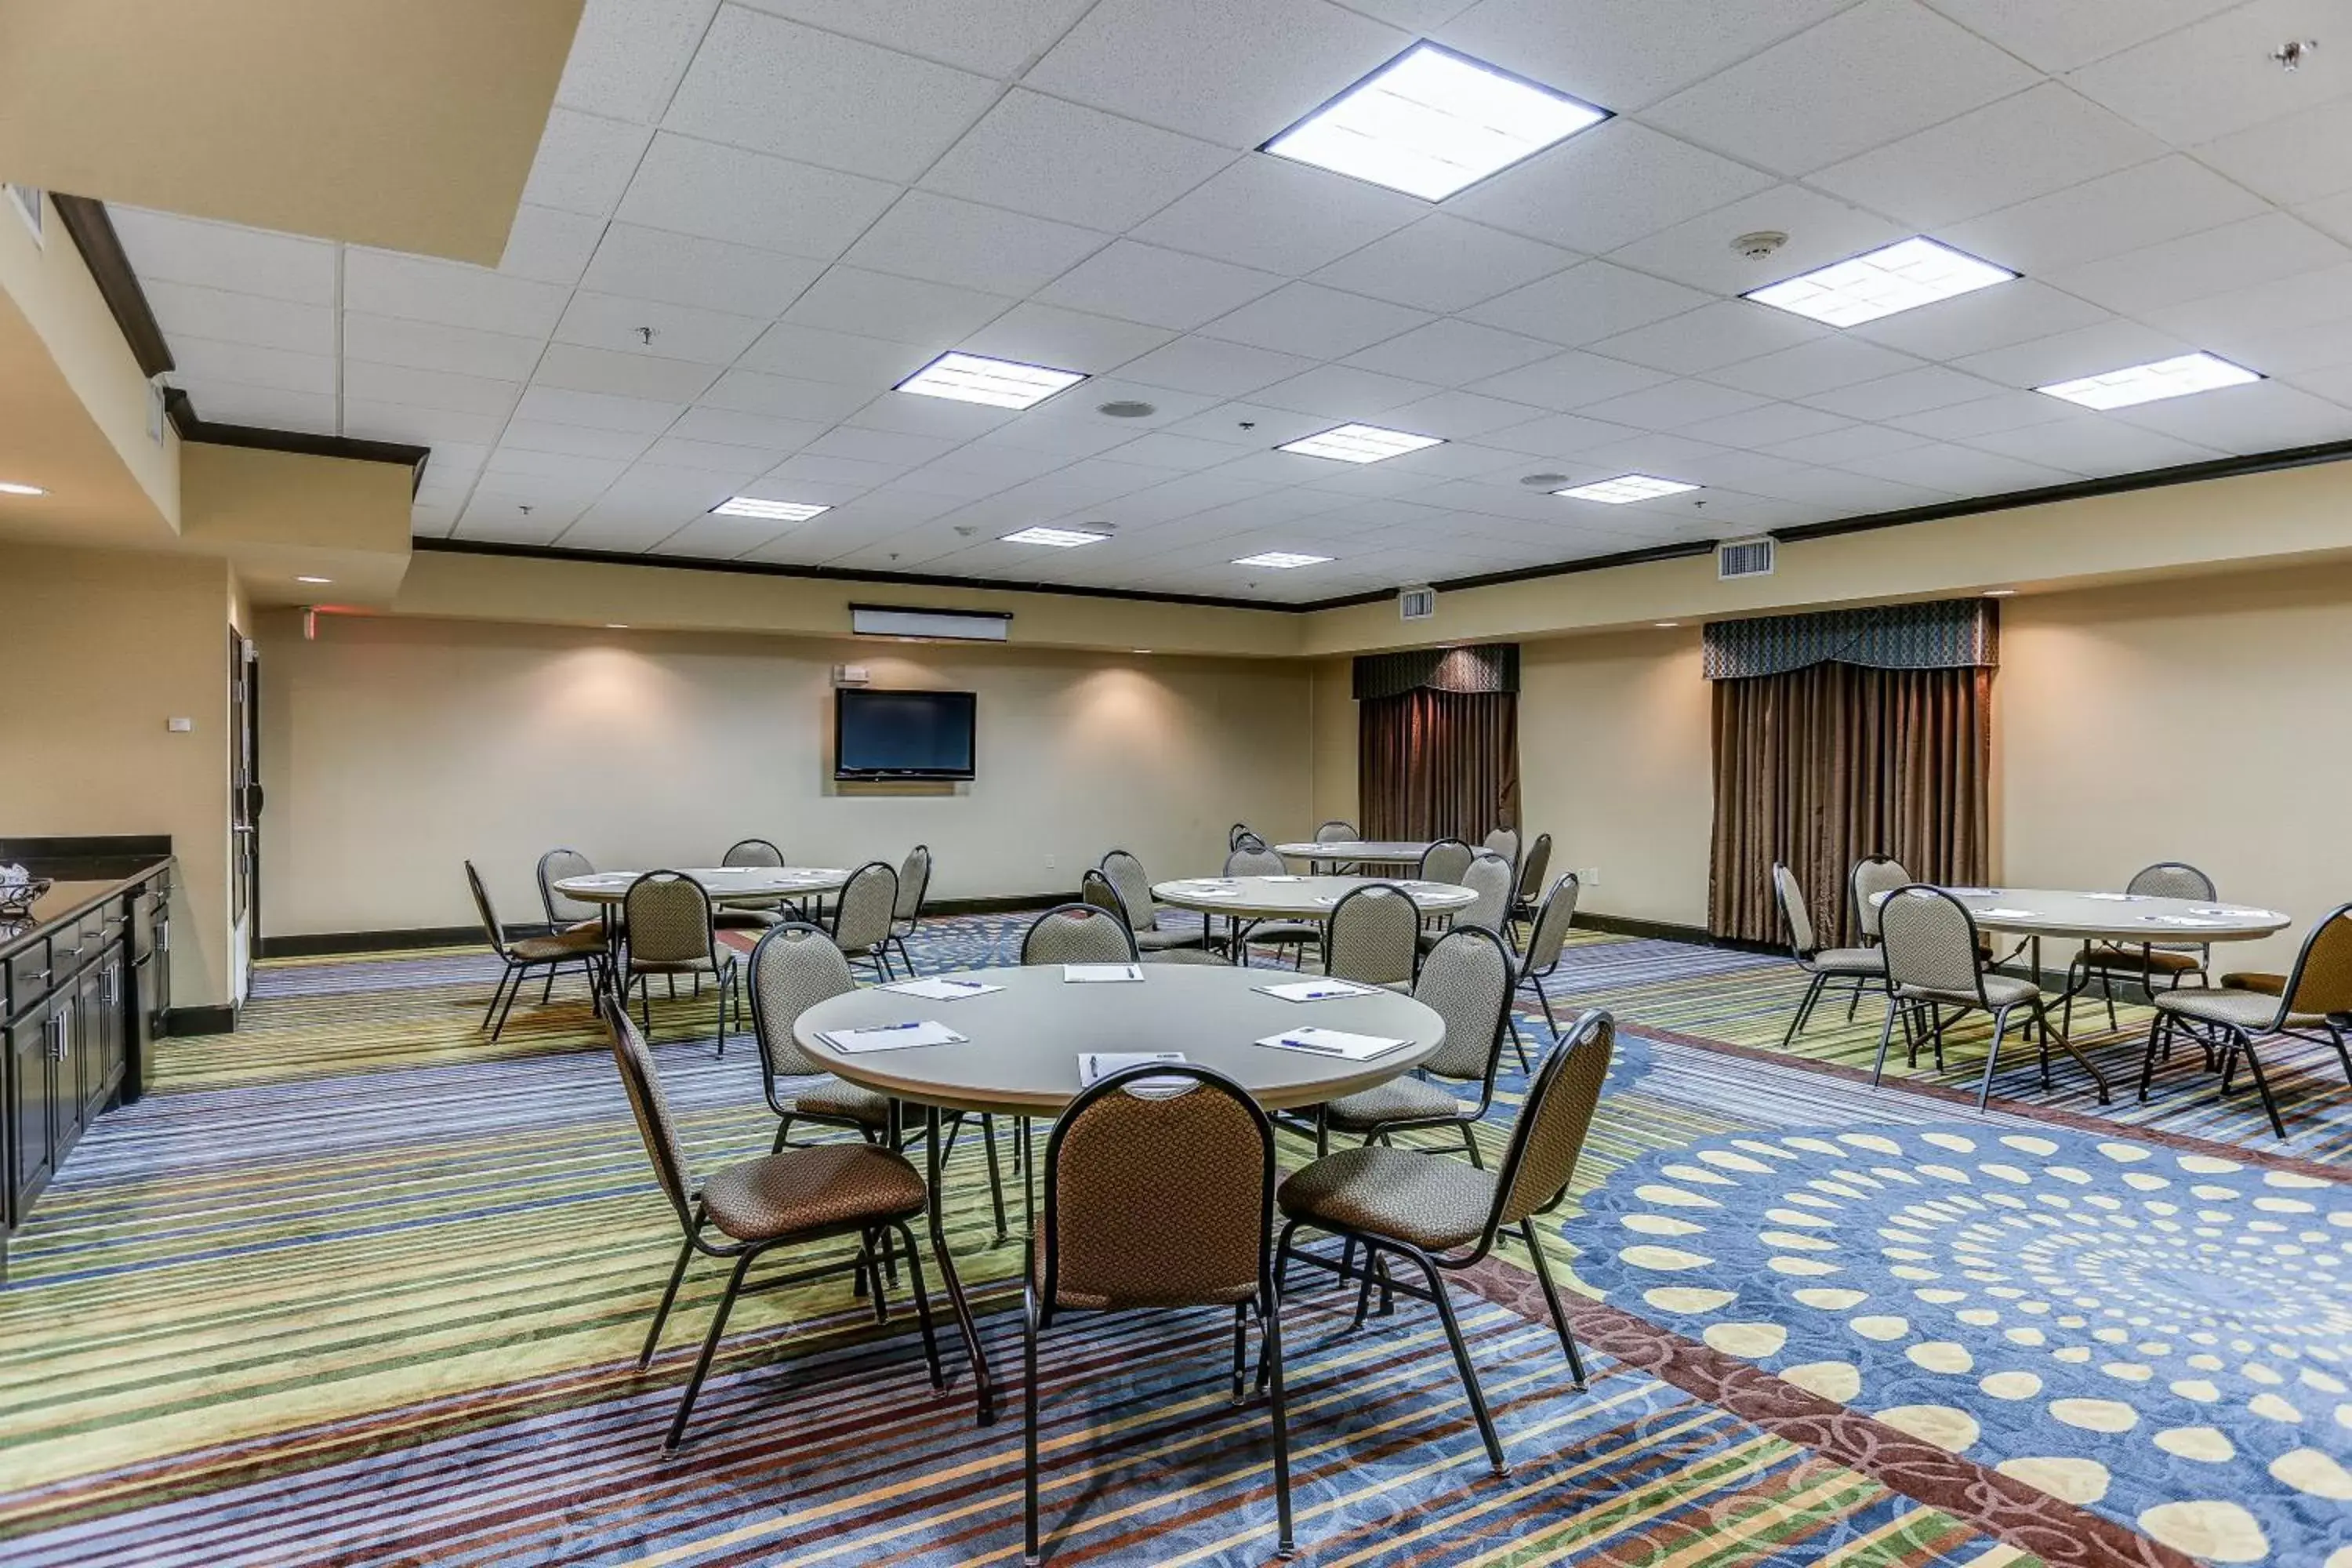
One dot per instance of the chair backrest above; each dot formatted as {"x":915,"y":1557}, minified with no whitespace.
{"x":2322,"y":980}
{"x":752,"y":852}
{"x":1096,"y":889}
{"x":793,"y":967}
{"x":668,"y":916}
{"x":1549,"y":1134}
{"x":1930,"y":939}
{"x":862,"y":915}
{"x":1552,"y":921}
{"x":554,"y":867}
{"x":1504,"y":841}
{"x":1375,"y":936}
{"x":1790,"y":897}
{"x":1492,"y":879}
{"x":2171,"y":880}
{"x":1445,"y":860}
{"x":1533,"y":868}
{"x":1127,"y":874}
{"x":914,"y":883}
{"x":1240,"y":834}
{"x":655,"y":1124}
{"x":1156,"y":1199}
{"x":1336,"y":832}
{"x":1253,"y":858}
{"x":1873,"y":875}
{"x":1469,"y":979}
{"x":490,"y":927}
{"x":1077,"y":933}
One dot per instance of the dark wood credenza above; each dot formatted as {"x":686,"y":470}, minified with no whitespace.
{"x":84,"y":991}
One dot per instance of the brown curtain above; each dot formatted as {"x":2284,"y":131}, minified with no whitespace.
{"x":1821,"y":766}
{"x":1438,"y":764}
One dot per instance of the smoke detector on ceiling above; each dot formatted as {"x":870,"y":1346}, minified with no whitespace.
{"x":2290,"y":55}
{"x":1762,"y":243}
{"x":1127,"y":408}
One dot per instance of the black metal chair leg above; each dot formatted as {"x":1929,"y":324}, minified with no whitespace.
{"x":995,"y":1176}
{"x":1886,"y":1039}
{"x":497,"y":992}
{"x":1241,"y":1347}
{"x":1029,"y":1434}
{"x":2254,"y":1066}
{"x":661,"y":1313}
{"x":2156,"y":1039}
{"x":1797,"y":1019}
{"x":709,"y":1349}
{"x":1286,"y":1543}
{"x":1518,"y":1047}
{"x":922,"y":1307}
{"x":1502,"y":1466}
{"x":1551,"y":1299}
{"x":1992,"y":1055}
{"x":1470,"y":1140}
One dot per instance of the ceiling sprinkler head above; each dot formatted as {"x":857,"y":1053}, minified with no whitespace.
{"x":645,"y":336}
{"x":2291,"y":55}
{"x":1760,"y":243}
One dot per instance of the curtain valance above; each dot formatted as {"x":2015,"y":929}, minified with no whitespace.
{"x":1490,"y":667}
{"x":1945,"y":634}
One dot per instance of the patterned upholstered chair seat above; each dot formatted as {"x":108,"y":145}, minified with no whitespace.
{"x":2000,"y":991}
{"x":744,"y":917}
{"x":2263,"y":981}
{"x":563,"y":944}
{"x":833,"y":1099}
{"x":1154,"y":940}
{"x":1305,"y":931}
{"x":2144,"y":961}
{"x":1178,"y":954}
{"x":1850,"y":960}
{"x":2244,"y":1009}
{"x":1435,"y":1204}
{"x":810,"y":1189}
{"x":1398,"y":1100}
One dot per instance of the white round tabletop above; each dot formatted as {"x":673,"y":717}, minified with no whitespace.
{"x":1297,"y":898}
{"x":726,"y":884}
{"x":2131,"y":919}
{"x":1019,"y":1054}
{"x":1383,"y":851}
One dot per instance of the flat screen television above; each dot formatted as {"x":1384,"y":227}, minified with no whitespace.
{"x":902,"y":735}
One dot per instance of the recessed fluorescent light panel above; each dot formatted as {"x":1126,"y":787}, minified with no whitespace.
{"x":1359,"y":444}
{"x":1625,"y":489}
{"x":1431,"y":122}
{"x":999,"y":383}
{"x":1060,"y":538}
{"x":767,"y":510}
{"x":2164,"y":378}
{"x":1901,"y":276}
{"x":1282,"y":559}
{"x":9,"y":488}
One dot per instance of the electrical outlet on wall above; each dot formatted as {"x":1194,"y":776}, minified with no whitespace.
{"x":1589,"y":876}
{"x":1049,"y":860}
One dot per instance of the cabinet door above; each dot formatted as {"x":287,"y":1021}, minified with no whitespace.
{"x":30,"y":1039}
{"x":77,"y":1035}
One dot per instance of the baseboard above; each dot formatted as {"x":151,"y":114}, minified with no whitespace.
{"x":215,"y":1020}
{"x":1662,"y":931}
{"x":1000,"y":904}
{"x":333,"y":943}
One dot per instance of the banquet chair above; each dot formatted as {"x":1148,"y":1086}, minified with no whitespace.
{"x":583,"y":946}
{"x":790,"y":1198}
{"x":750,"y":852}
{"x":1157,"y":1199}
{"x":1095,"y":889}
{"x":1078,"y":933}
{"x":1254,"y":858}
{"x":1445,"y":860}
{"x":907,"y":910}
{"x":863,"y":915}
{"x":1533,"y":868}
{"x":795,"y":967}
{"x":670,"y":933}
{"x":1466,"y":979}
{"x":1934,"y":961}
{"x":1547,"y":939}
{"x":1126,"y":874}
{"x":1372,"y":937}
{"x":2145,"y":962}
{"x":1491,"y":880}
{"x":1861,"y":968}
{"x":1505,"y":841}
{"x":566,"y":913}
{"x":1871,"y":875}
{"x":1240,"y":832}
{"x":2316,"y":997}
{"x":1436,"y":1214}
{"x":1337,"y":832}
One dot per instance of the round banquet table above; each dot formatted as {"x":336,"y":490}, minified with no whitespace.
{"x":1297,"y":898}
{"x":1020,"y":1055}
{"x":726,"y":884}
{"x":1356,"y":852}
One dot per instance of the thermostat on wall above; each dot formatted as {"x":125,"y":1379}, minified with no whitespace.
{"x":179,"y":726}
{"x":850,"y":675}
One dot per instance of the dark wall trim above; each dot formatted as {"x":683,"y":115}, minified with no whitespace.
{"x":118,"y":285}
{"x":834,"y":574}
{"x":193,"y":428}
{"x":217,"y":1020}
{"x":1661,"y":930}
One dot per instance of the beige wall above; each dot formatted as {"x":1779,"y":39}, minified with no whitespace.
{"x":102,"y":649}
{"x":395,"y":747}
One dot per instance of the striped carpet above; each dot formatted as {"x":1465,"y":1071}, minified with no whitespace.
{"x":352,"y":1286}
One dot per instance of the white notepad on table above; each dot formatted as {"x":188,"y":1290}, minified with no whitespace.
{"x":1096,"y":1066}
{"x":2009,"y":914}
{"x":1333,"y":1043}
{"x":1315,"y":990}
{"x":890,"y":1037}
{"x":940,"y":990}
{"x":1101,"y":973}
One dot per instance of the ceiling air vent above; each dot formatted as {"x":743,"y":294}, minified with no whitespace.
{"x":1743,"y":558}
{"x":1417,"y":603}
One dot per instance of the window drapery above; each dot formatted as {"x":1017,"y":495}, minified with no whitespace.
{"x":1438,"y":764}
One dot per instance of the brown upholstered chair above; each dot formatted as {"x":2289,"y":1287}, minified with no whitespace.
{"x":566,"y":913}
{"x":1154,"y":1200}
{"x":582,"y":946}
{"x":1492,"y":879}
{"x":863,"y":917}
{"x":786,"y":1199}
{"x":1374,"y":937}
{"x":1466,"y":978}
{"x":1860,"y":968}
{"x":1126,"y":874}
{"x":1547,"y":939}
{"x":2316,"y":996}
{"x":1252,"y":857}
{"x":2145,"y":963}
{"x":670,"y":933}
{"x":1337,"y":832}
{"x":1534,"y":866}
{"x":765,"y":912}
{"x":1436,"y":1213}
{"x":907,"y":913}
{"x":1077,"y":933}
{"x":1935,"y":961}
{"x":1445,"y":860}
{"x":795,"y":967}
